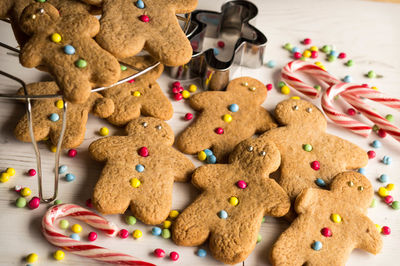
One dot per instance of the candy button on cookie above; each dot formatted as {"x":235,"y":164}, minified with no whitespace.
{"x":307,"y":147}
{"x":139,"y":168}
{"x":316,"y":245}
{"x":336,"y":218}
{"x":54,"y":117}
{"x":233,"y":107}
{"x":144,"y":152}
{"x":135,"y":182}
{"x":326,"y":232}
{"x":80,"y":63}
{"x":219,"y":130}
{"x":241,"y":184}
{"x":136,"y":93}
{"x":69,"y":49}
{"x":234,"y":201}
{"x":60,"y":104}
{"x":223,"y":214}
{"x":139,"y":4}
{"x":315,"y":165}
{"x":227,"y":118}
{"x":320,"y":182}
{"x":55,"y":37}
{"x":144,"y":18}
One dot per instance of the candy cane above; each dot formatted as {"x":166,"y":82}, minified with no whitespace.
{"x":353,"y":94}
{"x":81,"y":248}
{"x":299,"y":66}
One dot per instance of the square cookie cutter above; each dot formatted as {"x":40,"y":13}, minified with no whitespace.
{"x":28,"y":99}
{"x":232,"y":23}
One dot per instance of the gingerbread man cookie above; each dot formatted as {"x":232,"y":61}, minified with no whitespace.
{"x":139,"y":171}
{"x":64,"y":45}
{"x":47,"y":115}
{"x":129,"y":26}
{"x":234,"y":200}
{"x":310,"y":156}
{"x":226,"y":118}
{"x":142,"y":95}
{"x":330,"y":224}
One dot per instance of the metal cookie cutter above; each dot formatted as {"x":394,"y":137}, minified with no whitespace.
{"x":231,"y":24}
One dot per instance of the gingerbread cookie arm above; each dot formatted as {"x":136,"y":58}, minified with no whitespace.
{"x":369,"y":239}
{"x":31,"y":55}
{"x":264,"y":121}
{"x":102,"y":107}
{"x":105,"y":148}
{"x":181,"y":165}
{"x":86,"y":24}
{"x":182,"y":6}
{"x":205,"y":176}
{"x":276,"y":201}
{"x":353,"y":156}
{"x":157,"y":104}
{"x":201,"y":101}
{"x":306,"y":199}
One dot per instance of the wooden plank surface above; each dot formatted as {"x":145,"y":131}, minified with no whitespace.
{"x":367,"y":31}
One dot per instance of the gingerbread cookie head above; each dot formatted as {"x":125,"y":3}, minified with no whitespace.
{"x":299,"y":112}
{"x":256,"y":155}
{"x":129,"y":26}
{"x":331,"y":223}
{"x":151,"y":128}
{"x":252,"y":89}
{"x":38,"y":16}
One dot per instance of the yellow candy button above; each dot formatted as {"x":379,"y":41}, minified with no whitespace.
{"x":307,"y":53}
{"x":136,"y":93}
{"x":227,"y":118}
{"x":378,"y":227}
{"x":76,"y":228}
{"x":31,"y":258}
{"x":390,"y":187}
{"x":202,"y":156}
{"x":314,"y":48}
{"x":4,"y":177}
{"x":25,"y":192}
{"x":185,"y":94}
{"x":53,"y":148}
{"x":383,"y":192}
{"x":59,"y":255}
{"x":336,"y":218}
{"x":295,"y":97}
{"x":192,"y":88}
{"x":137,"y":234}
{"x":55,"y":37}
{"x":103,"y":131}
{"x":10,"y":171}
{"x":173,"y":214}
{"x":60,"y":104}
{"x":167,"y":224}
{"x":233,"y":201}
{"x":135,"y":182}
{"x":285,"y":90}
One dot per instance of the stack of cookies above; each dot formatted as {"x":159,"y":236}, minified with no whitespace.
{"x":314,"y":185}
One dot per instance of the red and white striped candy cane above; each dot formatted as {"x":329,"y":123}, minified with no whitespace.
{"x":299,"y":66}
{"x":81,"y":248}
{"x":352,"y":94}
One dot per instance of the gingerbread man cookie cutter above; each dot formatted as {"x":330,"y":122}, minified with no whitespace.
{"x":232,"y":23}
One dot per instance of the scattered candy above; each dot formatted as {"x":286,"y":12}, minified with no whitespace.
{"x":17,"y":188}
{"x":373,"y":203}
{"x":259,"y":238}
{"x":92,"y":236}
{"x":386,"y":230}
{"x":25,"y":192}
{"x":10,"y":171}
{"x":173,"y":214}
{"x":137,"y":234}
{"x":56,"y":202}
{"x":63,"y":224}
{"x":288,"y":46}
{"x":388,"y":199}
{"x":188,"y":116}
{"x":201,"y":253}
{"x":34,"y":203}
{"x":104,"y":131}
{"x":281,"y":84}
{"x":297,"y":55}
{"x":59,"y":255}
{"x":72,"y":153}
{"x":371,"y":154}
{"x":376,"y":144}
{"x":174,"y":256}
{"x":211,"y":159}
{"x":371,"y":74}
{"x":32,"y":172}
{"x":348,"y":79}
{"x":89,"y":203}
{"x":156,"y":231}
{"x":31,"y":258}
{"x":202,"y":155}
{"x":76,"y":228}
{"x":167,"y":224}
{"x":192,"y":88}
{"x":216,"y":51}
{"x":62,"y":169}
{"x":131,"y":220}
{"x":4,"y":177}
{"x":295,"y":49}
{"x":350,"y":63}
{"x":159,"y":253}
{"x":285,"y":90}
{"x":315,"y":165}
{"x":314,"y":54}
{"x":383,"y":178}
{"x":185,"y":94}
{"x":53,"y":148}
{"x":269,"y":86}
{"x":390,"y":187}
{"x":382,"y":133}
{"x":396,"y":205}
{"x":307,"y":41}
{"x":166,"y":233}
{"x":178,"y":96}
{"x":326,"y":49}
{"x":75,"y":236}
{"x":389,"y":117}
{"x":176,"y":84}
{"x":387,"y":160}
{"x":307,"y":54}
{"x":383,"y":192}
{"x":362,"y":171}
{"x":342,"y":55}
{"x":69,"y":177}
{"x":20,"y":202}
{"x":379,"y":228}
{"x":123,"y":233}
{"x":271,"y":63}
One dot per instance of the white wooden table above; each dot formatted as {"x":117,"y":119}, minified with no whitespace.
{"x":367,"y":31}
